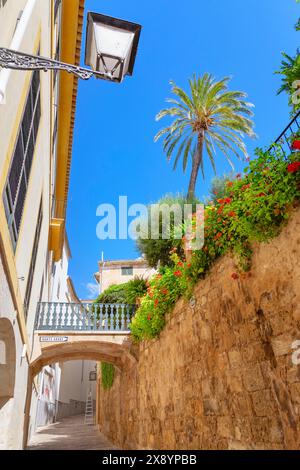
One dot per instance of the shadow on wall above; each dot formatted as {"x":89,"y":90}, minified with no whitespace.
{"x":7,"y":361}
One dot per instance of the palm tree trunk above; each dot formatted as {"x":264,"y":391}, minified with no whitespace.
{"x":197,"y":159}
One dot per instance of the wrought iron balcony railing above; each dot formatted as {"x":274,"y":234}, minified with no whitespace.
{"x":285,"y":139}
{"x":65,"y":316}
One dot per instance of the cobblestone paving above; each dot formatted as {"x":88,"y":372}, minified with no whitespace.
{"x":69,"y":434}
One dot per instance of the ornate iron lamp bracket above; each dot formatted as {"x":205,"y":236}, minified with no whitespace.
{"x":11,"y":59}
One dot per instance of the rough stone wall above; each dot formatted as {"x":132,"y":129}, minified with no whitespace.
{"x":220,"y":376}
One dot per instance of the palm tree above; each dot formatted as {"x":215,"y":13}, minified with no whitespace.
{"x":211,"y":118}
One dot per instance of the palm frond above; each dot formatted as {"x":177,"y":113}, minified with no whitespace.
{"x":222,"y":117}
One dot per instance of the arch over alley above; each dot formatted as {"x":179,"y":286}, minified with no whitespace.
{"x":71,"y":331}
{"x":50,"y":347}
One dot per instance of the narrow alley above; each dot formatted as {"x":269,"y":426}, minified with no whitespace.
{"x":69,"y":434}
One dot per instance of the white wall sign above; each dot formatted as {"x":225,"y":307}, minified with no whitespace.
{"x":54,"y":339}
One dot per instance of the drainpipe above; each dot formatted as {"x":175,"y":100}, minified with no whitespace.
{"x":15,"y":45}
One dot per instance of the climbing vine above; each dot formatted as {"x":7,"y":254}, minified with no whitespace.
{"x":107,"y":375}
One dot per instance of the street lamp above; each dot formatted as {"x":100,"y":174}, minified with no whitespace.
{"x":111,"y":47}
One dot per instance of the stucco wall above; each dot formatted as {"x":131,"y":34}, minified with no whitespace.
{"x":11,"y":408}
{"x":113,"y":275}
{"x":221,"y":374}
{"x":75,"y":382}
{"x":31,"y":34}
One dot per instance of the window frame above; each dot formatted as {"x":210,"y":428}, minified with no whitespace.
{"x":22,"y":158}
{"x":34,"y":253}
{"x":127,"y":270}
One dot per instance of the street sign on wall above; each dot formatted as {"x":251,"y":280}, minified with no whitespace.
{"x":54,"y":339}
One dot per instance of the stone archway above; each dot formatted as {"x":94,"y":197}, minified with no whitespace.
{"x":7,"y":361}
{"x":51,"y":347}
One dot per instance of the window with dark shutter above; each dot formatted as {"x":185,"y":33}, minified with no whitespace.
{"x":127,"y":271}
{"x":18,"y":177}
{"x":33,"y":258}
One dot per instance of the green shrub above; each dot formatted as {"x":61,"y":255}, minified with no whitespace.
{"x":156,"y":251}
{"x":115,"y":294}
{"x":253,"y":208}
{"x":290,"y":73}
{"x":135,"y":289}
{"x":107,"y":375}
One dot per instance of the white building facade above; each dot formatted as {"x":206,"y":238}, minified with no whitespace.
{"x":36,"y":124}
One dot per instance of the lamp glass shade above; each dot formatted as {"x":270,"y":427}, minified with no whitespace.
{"x":111,"y":46}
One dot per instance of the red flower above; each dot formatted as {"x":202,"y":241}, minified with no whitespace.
{"x":189,"y":265}
{"x":218,"y":236}
{"x":234,"y":276}
{"x":220,"y":210}
{"x":261,"y":195}
{"x":246,"y":186}
{"x":227,"y":200}
{"x":164,"y":291}
{"x":232,"y":214}
{"x":177,"y":273}
{"x":155,"y":302}
{"x":296,"y":145}
{"x":149,"y":317}
{"x":293,"y":167}
{"x":229,"y":184}
{"x":180,"y":263}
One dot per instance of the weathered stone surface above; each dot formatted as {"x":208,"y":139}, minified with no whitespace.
{"x":220,"y":376}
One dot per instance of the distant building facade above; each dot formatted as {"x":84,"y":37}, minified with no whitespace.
{"x":120,"y":271}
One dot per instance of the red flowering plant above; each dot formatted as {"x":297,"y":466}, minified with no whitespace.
{"x":252,"y":208}
{"x":163,"y":292}
{"x":294,"y":141}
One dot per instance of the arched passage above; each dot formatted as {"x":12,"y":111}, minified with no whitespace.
{"x":67,"y":346}
{"x":60,"y":348}
{"x":7,"y":361}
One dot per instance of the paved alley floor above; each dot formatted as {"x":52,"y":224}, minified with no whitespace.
{"x":69,"y":434}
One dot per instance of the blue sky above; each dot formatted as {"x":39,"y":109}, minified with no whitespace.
{"x":114,"y":153}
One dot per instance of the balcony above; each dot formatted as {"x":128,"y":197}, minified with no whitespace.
{"x":65,"y":316}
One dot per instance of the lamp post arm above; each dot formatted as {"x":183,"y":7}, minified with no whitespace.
{"x":16,"y":60}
